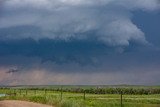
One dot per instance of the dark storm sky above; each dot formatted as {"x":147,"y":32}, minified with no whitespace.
{"x":80,"y":42}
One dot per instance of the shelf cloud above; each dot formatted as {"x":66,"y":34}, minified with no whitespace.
{"x":110,"y":20}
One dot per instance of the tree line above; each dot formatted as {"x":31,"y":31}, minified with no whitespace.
{"x":130,"y":91}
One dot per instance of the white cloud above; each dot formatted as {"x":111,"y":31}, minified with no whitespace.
{"x":121,"y":32}
{"x":109,"y":19}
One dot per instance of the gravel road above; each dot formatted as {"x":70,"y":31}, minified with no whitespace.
{"x":13,"y":103}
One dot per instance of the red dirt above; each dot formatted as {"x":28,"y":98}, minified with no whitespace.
{"x":14,"y":103}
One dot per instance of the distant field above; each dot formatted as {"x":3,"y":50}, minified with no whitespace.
{"x":86,"y":96}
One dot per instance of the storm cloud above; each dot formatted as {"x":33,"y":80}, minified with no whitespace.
{"x":79,"y":41}
{"x":110,"y":20}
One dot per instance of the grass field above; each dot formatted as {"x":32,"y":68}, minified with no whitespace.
{"x":71,"y":99}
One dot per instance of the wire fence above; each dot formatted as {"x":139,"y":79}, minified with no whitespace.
{"x":84,"y":94}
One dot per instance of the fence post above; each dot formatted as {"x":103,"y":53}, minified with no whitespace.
{"x":61,"y":92}
{"x":84,"y":97}
{"x":35,"y":92}
{"x":10,"y":91}
{"x":15,"y":92}
{"x":26,"y":92}
{"x":121,"y":98}
{"x":45,"y":92}
{"x":20,"y":91}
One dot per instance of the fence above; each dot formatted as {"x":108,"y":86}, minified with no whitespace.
{"x":85,"y":94}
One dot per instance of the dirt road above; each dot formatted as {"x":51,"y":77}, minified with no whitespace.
{"x":13,"y":103}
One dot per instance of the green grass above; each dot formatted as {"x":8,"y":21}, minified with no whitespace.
{"x":77,"y":99}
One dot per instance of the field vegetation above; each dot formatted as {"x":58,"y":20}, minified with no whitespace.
{"x":86,"y":96}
